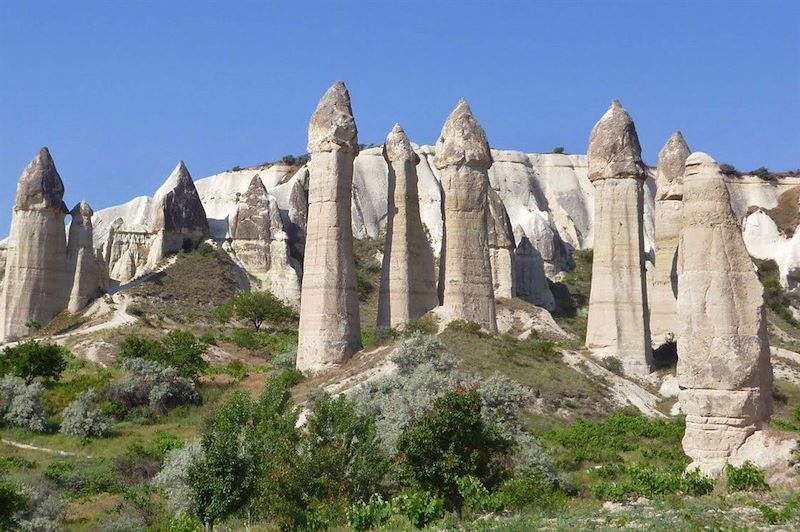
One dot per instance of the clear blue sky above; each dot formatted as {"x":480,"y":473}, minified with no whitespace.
{"x":120,"y":91}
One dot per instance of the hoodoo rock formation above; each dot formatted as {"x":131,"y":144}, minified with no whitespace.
{"x":668,"y":219}
{"x":36,"y":284}
{"x":178,"y":218}
{"x":330,"y":328}
{"x":408,"y":287}
{"x":723,"y":356}
{"x":501,"y":246}
{"x":530,"y":280}
{"x":86,"y":269}
{"x":261,"y":245}
{"x":618,"y":323}
{"x":463,"y":159}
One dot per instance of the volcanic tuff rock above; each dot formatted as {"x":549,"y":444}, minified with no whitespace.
{"x":618,"y":323}
{"x":261,"y":245}
{"x":465,"y":280}
{"x":330,"y":329}
{"x":501,"y":246}
{"x":669,"y":215}
{"x":86,"y":269}
{"x":408,"y":287}
{"x":36,"y":283}
{"x":530,"y":280}
{"x":723,"y":355}
{"x":178,"y":218}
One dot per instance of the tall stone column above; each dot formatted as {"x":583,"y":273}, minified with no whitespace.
{"x":668,"y":218}
{"x":36,"y":284}
{"x":618,"y":323}
{"x":723,"y":355}
{"x":408,"y":288}
{"x":330,"y":328}
{"x":86,"y":271}
{"x":501,"y":247}
{"x":463,"y":159}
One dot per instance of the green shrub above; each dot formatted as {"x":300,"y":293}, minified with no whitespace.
{"x":368,"y":515}
{"x":237,"y":369}
{"x":12,"y":500}
{"x":178,"y":349}
{"x":747,"y":477}
{"x":475,"y":497}
{"x":420,"y":507}
{"x":84,"y":477}
{"x":793,"y":423}
{"x":420,"y":325}
{"x":529,"y":490}
{"x":184,"y":523}
{"x":642,"y":481}
{"x":558,"y":149}
{"x":614,"y":365}
{"x":31,"y":359}
{"x":83,"y":419}
{"x":777,"y":517}
{"x":208,"y":338}
{"x":20,"y":404}
{"x":450,"y":441}
{"x":149,"y":383}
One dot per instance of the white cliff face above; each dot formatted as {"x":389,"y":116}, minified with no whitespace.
{"x":765,"y":241}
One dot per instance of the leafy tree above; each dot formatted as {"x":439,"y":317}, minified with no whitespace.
{"x":451,"y":441}
{"x":258,"y":307}
{"x":32,"y":359}
{"x":222,"y":480}
{"x":178,"y":349}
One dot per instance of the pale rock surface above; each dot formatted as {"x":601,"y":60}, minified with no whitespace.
{"x":520,"y":319}
{"x":618,"y":323}
{"x":663,"y":294}
{"x":765,"y":241}
{"x":88,"y":277}
{"x":330,"y":328}
{"x":501,"y":247}
{"x":530,"y":280}
{"x":36,"y":282}
{"x":260,"y":244}
{"x":408,"y":286}
{"x":3,"y":253}
{"x":463,"y":159}
{"x":723,"y":356}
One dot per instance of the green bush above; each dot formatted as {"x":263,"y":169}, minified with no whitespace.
{"x":793,"y":423}
{"x":642,"y":481}
{"x":747,"y":477}
{"x":529,"y":490}
{"x":420,"y":507}
{"x":84,"y":477}
{"x":31,"y":359}
{"x":83,"y":419}
{"x":368,"y":515}
{"x":558,"y":149}
{"x":208,"y":338}
{"x":178,"y":349}
{"x":12,"y":500}
{"x":475,"y":497}
{"x":450,"y":441}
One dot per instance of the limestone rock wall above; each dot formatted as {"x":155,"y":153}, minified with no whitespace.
{"x":723,"y":356}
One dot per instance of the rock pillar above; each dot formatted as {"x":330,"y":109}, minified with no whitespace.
{"x":723,"y":355}
{"x":408,"y":288}
{"x":36,"y":283}
{"x":86,"y":270}
{"x":463,"y":159}
{"x":668,"y":218}
{"x":330,"y":328}
{"x":618,"y":323}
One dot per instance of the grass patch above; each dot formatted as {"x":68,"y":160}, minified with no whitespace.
{"x":572,"y":294}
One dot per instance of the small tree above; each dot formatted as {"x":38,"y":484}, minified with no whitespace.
{"x":81,"y":418}
{"x":727,"y":169}
{"x":452,"y":441}
{"x":31,"y":359}
{"x":258,"y":307}
{"x":762,"y":172}
{"x":178,"y":349}
{"x":558,"y":149}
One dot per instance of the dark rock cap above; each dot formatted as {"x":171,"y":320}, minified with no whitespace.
{"x":671,"y":166}
{"x":81,"y":210}
{"x":40,"y":187}
{"x":397,"y":146}
{"x":178,"y":206}
{"x":614,"y":151}
{"x":462,"y":140}
{"x":332,"y":126}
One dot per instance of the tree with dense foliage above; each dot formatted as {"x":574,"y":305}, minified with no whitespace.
{"x":178,"y":349}
{"x":451,"y":441}
{"x":12,"y":501}
{"x":258,"y":307}
{"x":32,"y":359}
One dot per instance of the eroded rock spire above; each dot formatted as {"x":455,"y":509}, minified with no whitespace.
{"x":619,"y":322}
{"x":408,"y":287}
{"x":724,"y":367}
{"x":330,"y":328}
{"x":463,"y":159}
